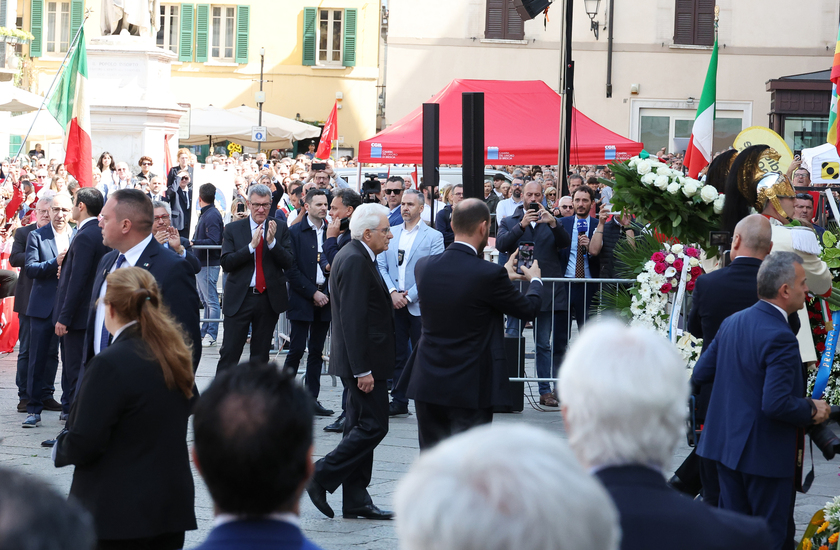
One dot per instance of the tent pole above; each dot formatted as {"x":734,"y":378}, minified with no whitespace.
{"x":567,"y":68}
{"x":431,"y":154}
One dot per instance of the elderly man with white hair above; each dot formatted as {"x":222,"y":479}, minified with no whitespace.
{"x":503,"y":487}
{"x":624,"y":407}
{"x":363,"y":353}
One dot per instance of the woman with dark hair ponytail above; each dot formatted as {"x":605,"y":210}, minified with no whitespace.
{"x":127,"y":429}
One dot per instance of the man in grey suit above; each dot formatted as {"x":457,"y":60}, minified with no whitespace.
{"x":414,"y":240}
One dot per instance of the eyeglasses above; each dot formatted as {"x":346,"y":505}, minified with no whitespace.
{"x":163,"y":218}
{"x":516,"y":185}
{"x":385,"y":231}
{"x":260,"y":205}
{"x":145,"y":164}
{"x":393,"y":191}
{"x":569,"y":206}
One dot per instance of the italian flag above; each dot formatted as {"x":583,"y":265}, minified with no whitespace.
{"x":699,"y":152}
{"x":832,"y":137}
{"x":69,"y":105}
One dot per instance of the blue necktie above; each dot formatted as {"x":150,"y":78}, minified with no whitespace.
{"x":103,"y":342}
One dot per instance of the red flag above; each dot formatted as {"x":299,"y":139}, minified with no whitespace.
{"x":167,"y":157}
{"x":328,"y":135}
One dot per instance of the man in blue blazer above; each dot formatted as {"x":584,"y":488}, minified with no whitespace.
{"x":756,"y":403}
{"x":412,"y":240}
{"x":45,"y":250}
{"x":75,"y":286}
{"x":253,"y":447}
{"x":208,"y":231}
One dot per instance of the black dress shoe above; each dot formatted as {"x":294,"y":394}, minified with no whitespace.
{"x":679,"y":485}
{"x":398,"y":409}
{"x":48,"y":443}
{"x":320,"y":410}
{"x":318,"y":496}
{"x":21,"y":407}
{"x":336,"y":427}
{"x":368,"y":511}
{"x":51,"y":404}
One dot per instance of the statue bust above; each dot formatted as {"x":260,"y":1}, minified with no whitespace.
{"x":136,"y":17}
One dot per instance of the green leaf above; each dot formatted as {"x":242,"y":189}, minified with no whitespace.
{"x":677,"y":221}
{"x":829,"y":240}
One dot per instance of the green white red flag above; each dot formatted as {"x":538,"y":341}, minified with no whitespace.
{"x":832,"y":114}
{"x":69,"y":105}
{"x":699,"y":152}
{"x":328,"y":135}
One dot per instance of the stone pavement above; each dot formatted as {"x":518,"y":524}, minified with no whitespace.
{"x":20,"y":449}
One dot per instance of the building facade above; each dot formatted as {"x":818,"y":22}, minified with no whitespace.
{"x":643,"y":83}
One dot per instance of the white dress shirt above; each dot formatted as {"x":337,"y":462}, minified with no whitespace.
{"x":426,"y":214}
{"x":254,"y":226}
{"x":406,"y":242}
{"x":62,"y":240}
{"x":783,"y":312}
{"x":573,"y":252}
{"x":319,"y":233}
{"x":506,"y":208}
{"x":131,"y":257}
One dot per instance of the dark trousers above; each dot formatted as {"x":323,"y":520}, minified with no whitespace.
{"x":709,"y":481}
{"x":167,"y":541}
{"x":407,"y":331}
{"x":255,"y":311}
{"x":350,"y":464}
{"x":73,"y":344}
{"x":22,"y":374}
{"x":765,"y":497}
{"x":437,"y":422}
{"x":43,"y":344}
{"x":580,"y":300}
{"x":316,"y":332}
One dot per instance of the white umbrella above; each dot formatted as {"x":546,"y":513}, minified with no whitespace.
{"x":211,"y":122}
{"x":278,"y":126}
{"x":16,"y":99}
{"x":46,"y":126}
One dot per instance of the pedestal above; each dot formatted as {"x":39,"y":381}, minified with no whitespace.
{"x":132,"y":107}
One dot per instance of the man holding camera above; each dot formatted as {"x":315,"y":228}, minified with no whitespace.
{"x":756,"y":406}
{"x":532,"y":223}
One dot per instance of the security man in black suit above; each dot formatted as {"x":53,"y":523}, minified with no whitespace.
{"x":126,"y":221}
{"x":459,"y":372}
{"x":364,"y":352}
{"x":256,"y":252}
{"x":75,"y":286}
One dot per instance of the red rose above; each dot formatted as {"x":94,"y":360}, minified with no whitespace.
{"x":660,"y":267}
{"x":666,"y":288}
{"x":658,"y":257}
{"x":689,"y":286}
{"x":678,"y":264}
{"x":696,"y":272}
{"x":691,"y":252}
{"x":820,"y":347}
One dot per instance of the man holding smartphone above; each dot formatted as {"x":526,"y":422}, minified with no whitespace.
{"x":531,"y":223}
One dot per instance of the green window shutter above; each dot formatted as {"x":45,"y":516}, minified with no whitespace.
{"x":36,"y":21}
{"x":243,"y":23}
{"x":185,"y":41}
{"x":309,"y":15}
{"x":350,"y":37}
{"x":14,"y":145}
{"x":77,"y":13}
{"x":202,"y":31}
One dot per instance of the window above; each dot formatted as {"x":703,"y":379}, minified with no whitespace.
{"x":694,"y":22}
{"x":167,"y":36}
{"x":222,"y":31}
{"x":58,"y":27}
{"x":329,"y":37}
{"x":671,"y":128}
{"x":503,"y":21}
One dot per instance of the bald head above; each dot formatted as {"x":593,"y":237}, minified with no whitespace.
{"x":753,"y":238}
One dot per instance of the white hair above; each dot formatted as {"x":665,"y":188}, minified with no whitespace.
{"x":625,"y":402}
{"x":503,"y":486}
{"x":366,"y":216}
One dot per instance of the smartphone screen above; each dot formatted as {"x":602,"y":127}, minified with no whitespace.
{"x":526,"y":256}
{"x":240,"y":208}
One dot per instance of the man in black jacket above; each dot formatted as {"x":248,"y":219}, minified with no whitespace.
{"x":255,"y":254}
{"x":363,"y":352}
{"x":208,"y":231}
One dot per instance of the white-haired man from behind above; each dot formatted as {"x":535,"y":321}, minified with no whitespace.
{"x":624,"y":408}
{"x":503,"y":487}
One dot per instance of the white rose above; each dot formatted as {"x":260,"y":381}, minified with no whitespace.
{"x":670,"y":258}
{"x":670,"y":272}
{"x":677,"y":174}
{"x":649,"y":265}
{"x":708,"y":193}
{"x":719,"y":204}
{"x":673,"y":282}
{"x":663,"y":171}
{"x":693,"y":262}
{"x":677,"y":248}
{"x":689,"y":189}
{"x":661,"y":182}
{"x":649,"y":178}
{"x":697,"y":183}
{"x":633,"y":162}
{"x":643,"y":167}
{"x":673,"y":188}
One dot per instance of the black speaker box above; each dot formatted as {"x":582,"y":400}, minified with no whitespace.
{"x":515,"y":360}
{"x":528,"y":9}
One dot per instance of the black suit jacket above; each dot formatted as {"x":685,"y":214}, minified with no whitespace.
{"x":460,"y":359}
{"x":239,"y":263}
{"x":333,"y":244}
{"x":303,"y":274}
{"x":127,"y":439}
{"x":649,"y":509}
{"x":42,"y":268}
{"x":443,"y":223}
{"x":17,"y":258}
{"x":189,"y":255}
{"x":176,"y":279}
{"x":77,"y":274}
{"x":168,"y":196}
{"x":363,"y":333}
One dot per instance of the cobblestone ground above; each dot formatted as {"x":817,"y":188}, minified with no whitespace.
{"x":21,"y":449}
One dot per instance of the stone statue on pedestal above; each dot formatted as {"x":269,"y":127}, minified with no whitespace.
{"x":135,"y":17}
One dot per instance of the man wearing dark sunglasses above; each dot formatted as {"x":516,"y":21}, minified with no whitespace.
{"x":393,"y":193}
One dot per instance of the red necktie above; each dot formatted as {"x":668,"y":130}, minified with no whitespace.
{"x":260,"y":281}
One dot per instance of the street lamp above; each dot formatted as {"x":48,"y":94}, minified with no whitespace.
{"x":261,"y":95}
{"x":591,"y":7}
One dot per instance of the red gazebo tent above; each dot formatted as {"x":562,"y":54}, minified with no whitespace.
{"x":521,"y":126}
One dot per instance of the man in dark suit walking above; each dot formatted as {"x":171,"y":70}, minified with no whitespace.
{"x":459,"y":372}
{"x":23,"y":289}
{"x":716,"y":296}
{"x":126,"y":221}
{"x":756,"y":405}
{"x":75,"y":287}
{"x":45,"y":251}
{"x":623,"y":392}
{"x":363,"y":351}
{"x":255,"y":254}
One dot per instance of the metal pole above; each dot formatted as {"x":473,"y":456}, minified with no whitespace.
{"x":569,"y":81}
{"x":262,"y":64}
{"x":472,"y":144}
{"x":431,"y":153}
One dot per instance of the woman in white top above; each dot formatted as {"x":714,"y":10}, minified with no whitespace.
{"x":106,"y":168}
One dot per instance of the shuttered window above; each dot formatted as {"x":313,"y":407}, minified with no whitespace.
{"x":243,"y":22}
{"x":694,"y":22}
{"x":185,"y":41}
{"x":503,"y":22}
{"x":329,"y":36}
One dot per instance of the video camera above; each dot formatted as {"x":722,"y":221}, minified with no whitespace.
{"x":370,"y":189}
{"x":823,"y":437}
